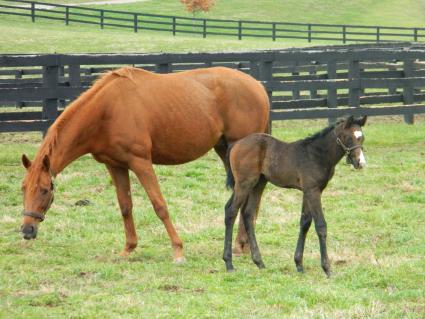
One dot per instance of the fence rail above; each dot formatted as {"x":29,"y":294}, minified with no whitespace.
{"x":317,"y":82}
{"x":138,"y":21}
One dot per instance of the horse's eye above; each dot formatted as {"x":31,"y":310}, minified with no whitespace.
{"x":44,"y":191}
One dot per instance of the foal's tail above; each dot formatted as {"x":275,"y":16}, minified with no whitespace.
{"x":230,"y":180}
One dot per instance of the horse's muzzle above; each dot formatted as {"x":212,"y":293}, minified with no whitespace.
{"x":29,"y":231}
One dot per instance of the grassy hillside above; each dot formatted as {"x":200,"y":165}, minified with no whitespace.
{"x":384,"y":12}
{"x":19,"y":35}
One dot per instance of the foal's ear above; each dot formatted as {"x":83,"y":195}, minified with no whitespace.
{"x":349,"y":121}
{"x":46,"y":163}
{"x":362,"y":121}
{"x":25,"y":161}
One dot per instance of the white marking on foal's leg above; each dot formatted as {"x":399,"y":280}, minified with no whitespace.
{"x":362,"y":159}
{"x":358,"y":134}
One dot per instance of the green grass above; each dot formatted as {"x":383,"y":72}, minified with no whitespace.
{"x":375,"y":237}
{"x":384,"y":12}
{"x":19,"y":35}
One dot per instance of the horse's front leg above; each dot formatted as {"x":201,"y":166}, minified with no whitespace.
{"x":305,"y":222}
{"x":122,"y":184}
{"x":146,"y":175}
{"x":315,"y":206}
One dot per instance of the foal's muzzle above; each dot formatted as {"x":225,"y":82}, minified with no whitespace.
{"x":29,"y":231}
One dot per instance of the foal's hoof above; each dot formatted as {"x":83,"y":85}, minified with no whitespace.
{"x":179,"y":260}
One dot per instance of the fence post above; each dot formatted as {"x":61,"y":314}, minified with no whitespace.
{"x":50,"y":104}
{"x":102,"y":18}
{"x":344,"y":34}
{"x":66,"y":15}
{"x":135,"y":22}
{"x":240,"y":30}
{"x":204,"y":32}
{"x":274,"y":31}
{"x":408,"y":90}
{"x":313,"y":92}
{"x":295,"y":91}
{"x":354,"y":80}
{"x":32,"y":11}
{"x":415,"y":34}
{"x":378,"y":34}
{"x":174,"y":25}
{"x":265,"y":74}
{"x":332,"y":99}
{"x":309,"y":32}
{"x":74,"y":75}
{"x":164,"y":67}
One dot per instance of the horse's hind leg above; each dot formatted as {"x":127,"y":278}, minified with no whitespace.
{"x":122,"y":184}
{"x":248,"y":214}
{"x":146,"y":175}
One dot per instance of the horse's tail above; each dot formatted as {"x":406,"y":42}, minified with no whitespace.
{"x":230,"y":180}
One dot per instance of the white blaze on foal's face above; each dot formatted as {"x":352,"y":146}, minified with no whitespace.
{"x":358,"y":134}
{"x":362,"y":160}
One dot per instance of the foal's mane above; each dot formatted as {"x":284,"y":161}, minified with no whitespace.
{"x":322,"y":133}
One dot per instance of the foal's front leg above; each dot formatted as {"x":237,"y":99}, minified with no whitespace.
{"x":315,"y":206}
{"x":122,"y":184}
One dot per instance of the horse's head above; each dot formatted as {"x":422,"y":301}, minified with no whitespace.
{"x":350,"y":137}
{"x":37,"y":189}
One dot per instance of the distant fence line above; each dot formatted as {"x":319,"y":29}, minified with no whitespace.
{"x":211,"y":27}
{"x":322,"y":82}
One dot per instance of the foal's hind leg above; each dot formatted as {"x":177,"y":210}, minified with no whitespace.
{"x":146,"y":175}
{"x":247,"y":214}
{"x":231,"y":209}
{"x":122,"y":184}
{"x":241,"y":242}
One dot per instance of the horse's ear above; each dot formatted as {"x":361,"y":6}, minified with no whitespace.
{"x":25,"y":161}
{"x":46,"y":163}
{"x":349,"y":121}
{"x":362,"y":120}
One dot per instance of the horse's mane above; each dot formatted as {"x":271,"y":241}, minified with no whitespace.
{"x":52,"y":136}
{"x":322,"y":133}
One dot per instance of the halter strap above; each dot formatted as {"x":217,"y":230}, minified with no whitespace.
{"x":347,"y":149}
{"x":34,"y":215}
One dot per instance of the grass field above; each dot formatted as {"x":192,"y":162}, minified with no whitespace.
{"x":375,"y":234}
{"x":375,"y":217}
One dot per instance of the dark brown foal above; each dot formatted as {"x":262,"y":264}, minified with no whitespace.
{"x":306,"y":165}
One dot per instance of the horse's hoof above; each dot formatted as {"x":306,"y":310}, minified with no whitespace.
{"x":300,"y":269}
{"x":237,"y":252}
{"x":124,"y":254}
{"x":179,"y":260}
{"x":230,"y":269}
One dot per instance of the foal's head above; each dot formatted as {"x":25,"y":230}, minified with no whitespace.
{"x":37,"y":189}
{"x":350,"y":137}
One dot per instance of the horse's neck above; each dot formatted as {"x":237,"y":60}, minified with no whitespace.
{"x":327,"y":150}
{"x":69,"y":139}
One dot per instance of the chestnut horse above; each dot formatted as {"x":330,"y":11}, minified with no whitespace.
{"x":130,"y":119}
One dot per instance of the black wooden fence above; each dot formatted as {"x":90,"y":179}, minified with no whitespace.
{"x":321,"y":82}
{"x":210,"y":27}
